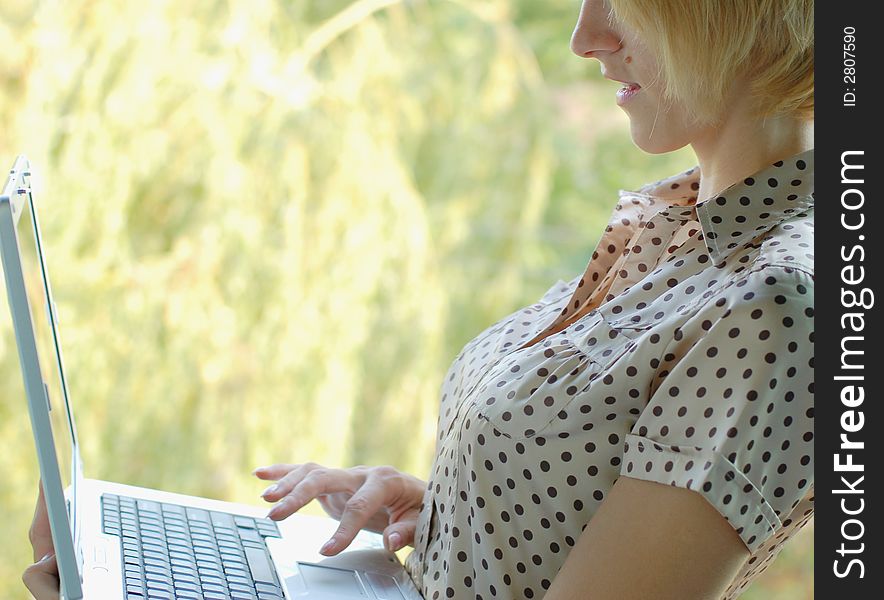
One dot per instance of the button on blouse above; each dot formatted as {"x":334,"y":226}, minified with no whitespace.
{"x":682,"y":355}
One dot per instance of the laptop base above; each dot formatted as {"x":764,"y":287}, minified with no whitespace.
{"x":364,"y":571}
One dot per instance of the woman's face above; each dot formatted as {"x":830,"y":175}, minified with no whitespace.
{"x":655,"y":127}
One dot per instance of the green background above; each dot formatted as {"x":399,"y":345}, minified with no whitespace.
{"x":272,"y":224}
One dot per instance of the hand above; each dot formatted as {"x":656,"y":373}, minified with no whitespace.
{"x":380,"y":499}
{"x":41,"y":578}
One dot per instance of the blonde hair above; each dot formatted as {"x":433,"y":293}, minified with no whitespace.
{"x":703,"y":45}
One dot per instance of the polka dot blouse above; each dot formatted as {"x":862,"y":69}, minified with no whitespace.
{"x":683,"y":355}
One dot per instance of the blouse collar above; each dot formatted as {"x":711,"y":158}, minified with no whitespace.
{"x":744,"y":210}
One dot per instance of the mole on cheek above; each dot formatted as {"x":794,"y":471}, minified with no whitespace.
{"x":627,"y":60}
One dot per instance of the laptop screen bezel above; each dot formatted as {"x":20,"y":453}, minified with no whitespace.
{"x":15,"y":198}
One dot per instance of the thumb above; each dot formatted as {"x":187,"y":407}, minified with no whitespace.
{"x":47,"y":564}
{"x":41,"y":578}
{"x":401,"y":533}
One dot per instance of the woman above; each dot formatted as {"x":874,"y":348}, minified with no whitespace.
{"x":644,"y":430}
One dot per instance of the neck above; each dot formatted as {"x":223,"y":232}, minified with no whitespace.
{"x":740,"y":147}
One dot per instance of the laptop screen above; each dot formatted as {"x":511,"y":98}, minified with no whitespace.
{"x":34,"y":322}
{"x":48,"y":348}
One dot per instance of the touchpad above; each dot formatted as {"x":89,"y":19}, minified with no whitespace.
{"x":331,"y":580}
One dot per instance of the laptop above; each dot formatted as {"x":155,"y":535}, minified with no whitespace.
{"x":118,"y":541}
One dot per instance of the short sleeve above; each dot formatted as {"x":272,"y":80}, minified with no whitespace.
{"x":730,"y":414}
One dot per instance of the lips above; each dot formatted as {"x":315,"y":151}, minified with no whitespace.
{"x":626,"y":93}
{"x":628,"y":84}
{"x":629,"y":89}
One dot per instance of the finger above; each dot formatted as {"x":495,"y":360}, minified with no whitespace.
{"x":273,"y":472}
{"x":40,"y":533}
{"x":40,"y":507}
{"x":401,"y":533}
{"x":360,"y":508}
{"x":287,"y":483}
{"x":315,"y":483}
{"x":41,"y":579}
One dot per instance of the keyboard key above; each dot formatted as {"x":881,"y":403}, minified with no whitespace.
{"x":239,"y":587}
{"x":237,"y":572}
{"x":148,"y":506}
{"x":263,"y":587}
{"x":233,"y":561}
{"x":223,"y":520}
{"x":268,"y":527}
{"x":185,"y":580}
{"x":250,"y":534}
{"x":212,"y":577}
{"x":160,"y":586}
{"x":260,"y":566}
{"x":198,"y":514}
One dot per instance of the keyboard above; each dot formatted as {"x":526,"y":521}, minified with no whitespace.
{"x":171,"y":551}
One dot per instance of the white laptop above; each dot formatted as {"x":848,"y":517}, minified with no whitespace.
{"x":117,"y":541}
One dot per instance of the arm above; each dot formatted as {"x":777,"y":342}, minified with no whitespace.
{"x":650,"y":540}
{"x":719,"y":457}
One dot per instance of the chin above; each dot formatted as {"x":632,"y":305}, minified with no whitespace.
{"x":658,"y":142}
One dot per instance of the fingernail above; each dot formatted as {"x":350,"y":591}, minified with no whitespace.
{"x":45,"y":558}
{"x":269,"y":490}
{"x":327,"y":546}
{"x":258,"y":469}
{"x":395,"y":541}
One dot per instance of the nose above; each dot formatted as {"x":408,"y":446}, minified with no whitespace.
{"x":593,"y":34}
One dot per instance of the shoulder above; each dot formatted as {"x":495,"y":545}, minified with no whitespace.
{"x":790,"y":243}
{"x":771,"y":302}
{"x":778,"y":279}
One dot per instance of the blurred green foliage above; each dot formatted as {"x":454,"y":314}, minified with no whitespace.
{"x":272,"y":224}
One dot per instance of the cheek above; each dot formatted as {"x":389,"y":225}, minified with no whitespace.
{"x":643,"y":66}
